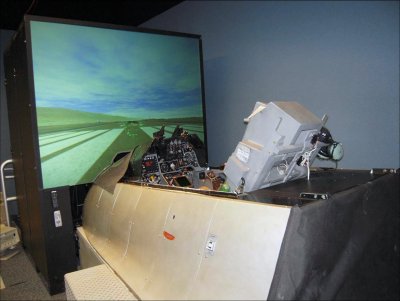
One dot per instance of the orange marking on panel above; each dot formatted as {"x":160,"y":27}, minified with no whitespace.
{"x":168,"y":236}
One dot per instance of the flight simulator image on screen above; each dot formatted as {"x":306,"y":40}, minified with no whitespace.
{"x":100,"y":91}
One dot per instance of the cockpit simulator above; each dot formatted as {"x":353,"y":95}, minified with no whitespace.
{"x":98,"y":98}
{"x":281,"y":141}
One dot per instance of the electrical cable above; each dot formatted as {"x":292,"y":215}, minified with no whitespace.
{"x":306,"y":160}
{"x":32,"y":7}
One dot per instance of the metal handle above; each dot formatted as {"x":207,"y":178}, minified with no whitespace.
{"x":3,"y":187}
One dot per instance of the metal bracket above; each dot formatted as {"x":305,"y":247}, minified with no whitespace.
{"x":314,"y":195}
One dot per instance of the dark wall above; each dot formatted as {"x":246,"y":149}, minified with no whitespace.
{"x":335,"y":57}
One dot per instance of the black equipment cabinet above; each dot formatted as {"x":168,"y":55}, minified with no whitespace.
{"x":51,"y":247}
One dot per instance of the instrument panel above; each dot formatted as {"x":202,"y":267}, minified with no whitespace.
{"x":170,"y":161}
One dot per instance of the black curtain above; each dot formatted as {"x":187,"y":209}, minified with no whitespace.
{"x":343,"y":248}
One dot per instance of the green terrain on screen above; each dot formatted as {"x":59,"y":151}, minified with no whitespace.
{"x":62,"y":132}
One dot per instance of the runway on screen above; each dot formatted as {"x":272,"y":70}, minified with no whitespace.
{"x":77,"y":155}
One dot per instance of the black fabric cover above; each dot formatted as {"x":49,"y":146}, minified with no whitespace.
{"x":343,"y":248}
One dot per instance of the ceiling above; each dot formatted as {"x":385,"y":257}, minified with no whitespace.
{"x":123,"y":12}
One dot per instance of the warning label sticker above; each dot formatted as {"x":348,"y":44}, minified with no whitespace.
{"x":243,"y":153}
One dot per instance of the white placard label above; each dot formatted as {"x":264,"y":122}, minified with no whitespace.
{"x":57,"y":218}
{"x":243,"y":153}
{"x":210,"y":245}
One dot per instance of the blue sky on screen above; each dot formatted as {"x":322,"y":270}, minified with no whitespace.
{"x":123,"y":73}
